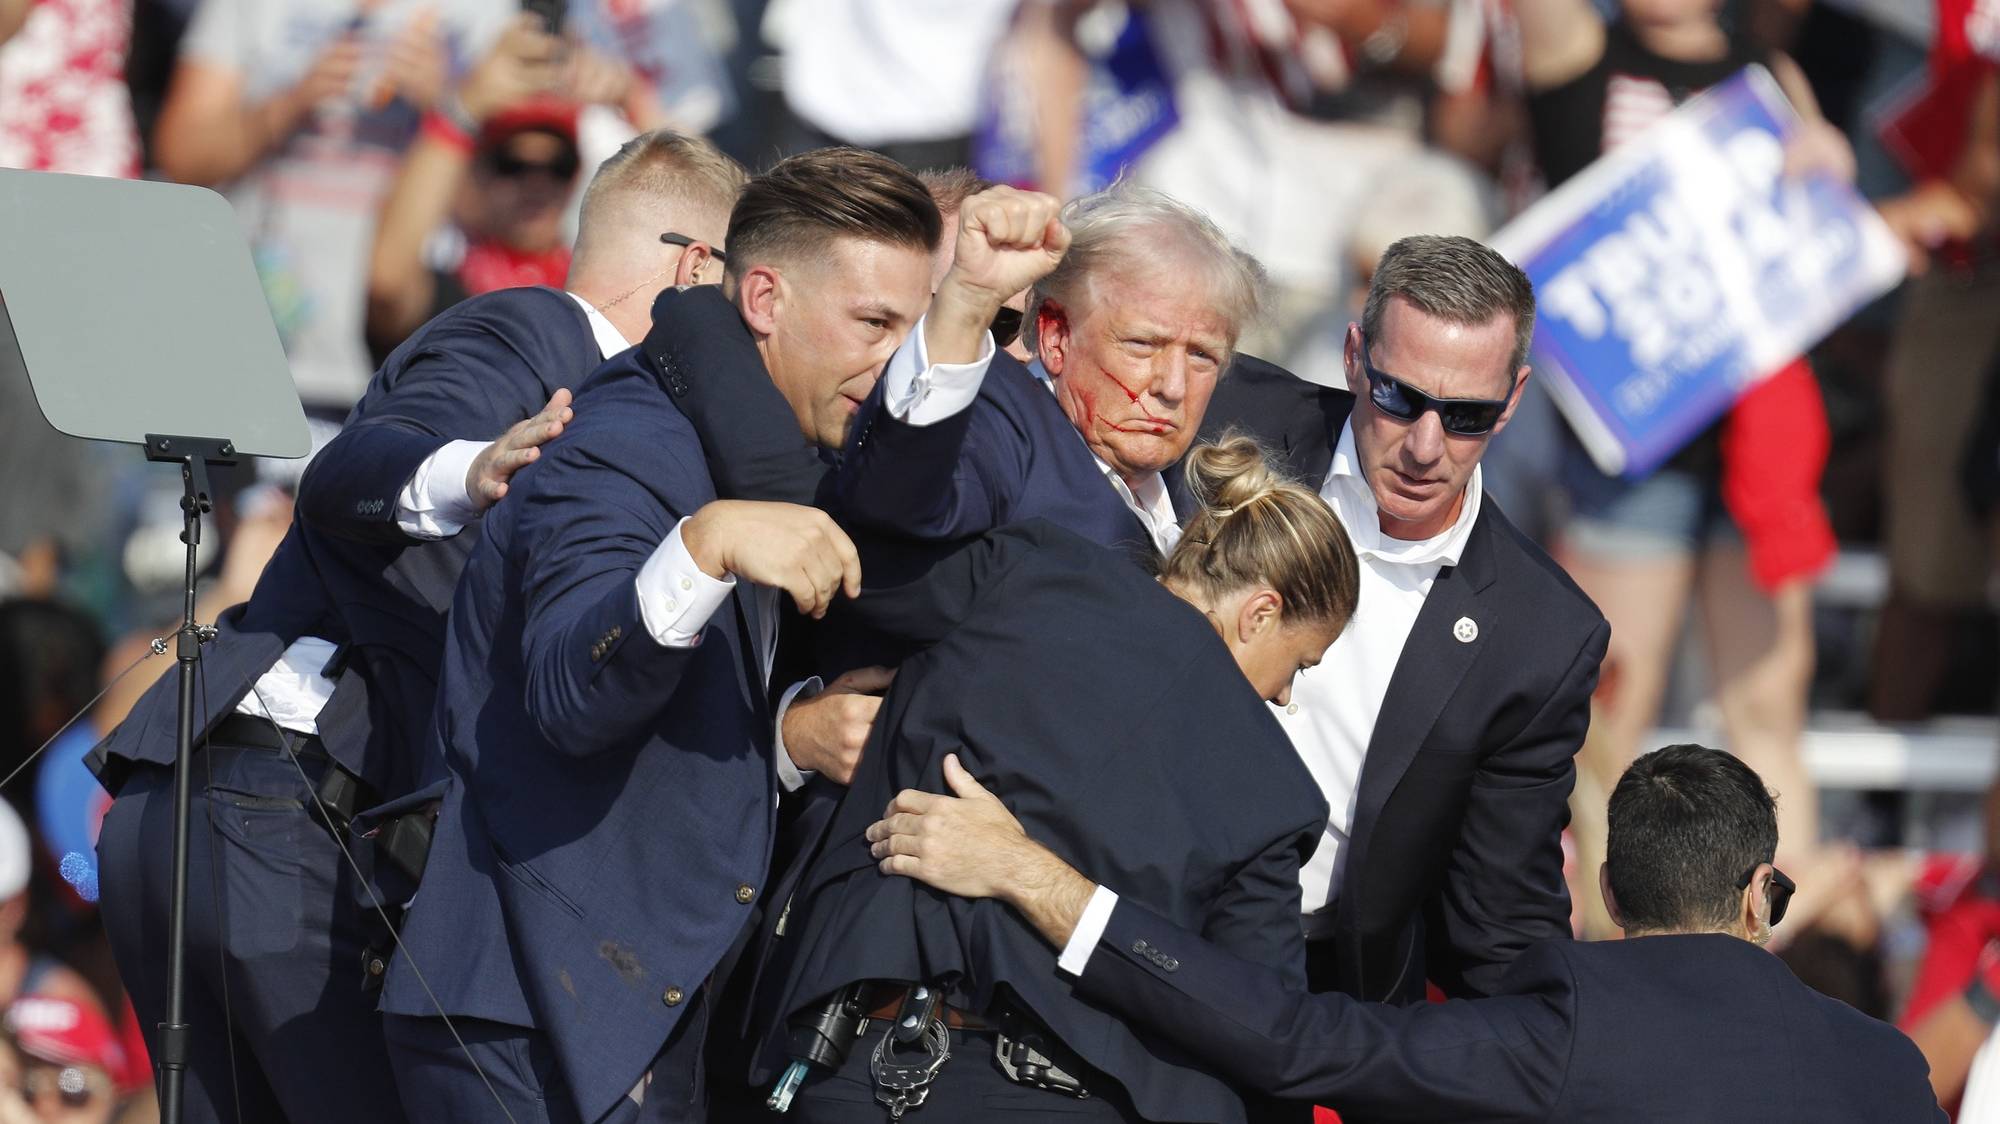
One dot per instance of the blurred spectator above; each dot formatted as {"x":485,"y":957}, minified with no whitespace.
{"x":1951,"y":1008}
{"x":300,"y":110}
{"x":63,"y":108}
{"x":899,"y":76}
{"x":1734,"y":520}
{"x":69,"y":1059}
{"x":950,"y":188}
{"x":49,"y":663}
{"x":1939,"y":556}
{"x":12,"y":14}
{"x":63,"y":102}
{"x":1289,"y":116}
{"x":22,"y":970}
{"x":502,"y":175}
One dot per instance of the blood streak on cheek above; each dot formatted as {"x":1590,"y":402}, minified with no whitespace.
{"x":1134,"y":395}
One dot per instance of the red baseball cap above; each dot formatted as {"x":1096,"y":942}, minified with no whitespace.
{"x":543,"y":114}
{"x":64,"y":1032}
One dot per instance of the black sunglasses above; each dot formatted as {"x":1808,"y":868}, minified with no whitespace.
{"x":507,"y":165}
{"x":1780,"y":891}
{"x":1006,"y":326}
{"x":1467,"y":417}
{"x":684,"y":241}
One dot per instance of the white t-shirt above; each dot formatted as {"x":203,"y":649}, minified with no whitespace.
{"x":881,"y":71}
{"x":309,"y":206}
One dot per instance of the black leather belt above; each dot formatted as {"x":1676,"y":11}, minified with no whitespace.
{"x":341,"y":793}
{"x":248,"y":731}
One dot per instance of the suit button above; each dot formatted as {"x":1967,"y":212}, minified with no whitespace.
{"x":1170,"y":964}
{"x":596,"y":652}
{"x":744,"y":893}
{"x":673,"y":997}
{"x":617,"y":630}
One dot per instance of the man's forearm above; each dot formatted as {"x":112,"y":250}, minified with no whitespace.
{"x":400,"y":289}
{"x":13,"y":13}
{"x":1048,"y":892}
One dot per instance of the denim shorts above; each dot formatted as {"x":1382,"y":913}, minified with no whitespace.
{"x":1673,"y":513}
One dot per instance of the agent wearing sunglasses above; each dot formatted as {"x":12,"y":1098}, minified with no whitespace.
{"x":1686,"y":1019}
{"x":1442,"y":723}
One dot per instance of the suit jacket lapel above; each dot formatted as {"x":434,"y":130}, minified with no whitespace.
{"x":1433,"y":662}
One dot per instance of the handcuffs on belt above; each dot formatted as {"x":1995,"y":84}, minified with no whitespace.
{"x":903,"y":1078}
{"x":903,"y":1084}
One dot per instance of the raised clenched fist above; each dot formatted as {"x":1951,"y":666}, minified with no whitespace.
{"x":1008,"y":239}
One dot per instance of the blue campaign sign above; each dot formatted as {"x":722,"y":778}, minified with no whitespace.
{"x":1128,"y":103}
{"x":1675,"y":272}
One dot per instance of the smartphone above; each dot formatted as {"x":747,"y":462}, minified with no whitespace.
{"x":552,"y":12}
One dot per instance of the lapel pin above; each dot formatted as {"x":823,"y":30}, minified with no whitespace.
{"x":1466,"y":630}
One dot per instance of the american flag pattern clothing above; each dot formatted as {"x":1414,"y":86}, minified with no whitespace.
{"x":64,"y":106}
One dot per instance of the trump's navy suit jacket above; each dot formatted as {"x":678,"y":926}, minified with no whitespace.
{"x":1649,"y":1030}
{"x":346,"y":573}
{"x":1112,"y":720}
{"x":608,"y":823}
{"x":1454,"y":858}
{"x":1011,"y":455}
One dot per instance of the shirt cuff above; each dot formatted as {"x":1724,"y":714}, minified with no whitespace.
{"x":675,"y":597}
{"x":435,"y":504}
{"x":1089,"y":930}
{"x":918,"y":393}
{"x":791,"y":778}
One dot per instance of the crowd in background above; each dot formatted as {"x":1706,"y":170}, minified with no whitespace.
{"x":388,"y":158}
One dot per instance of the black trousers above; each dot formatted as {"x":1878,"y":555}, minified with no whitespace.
{"x":970,"y":1088}
{"x":282,"y":1026}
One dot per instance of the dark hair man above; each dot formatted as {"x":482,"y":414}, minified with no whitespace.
{"x":1442,"y":723}
{"x":602,"y":705}
{"x":1686,"y":1019}
{"x":335,"y":659}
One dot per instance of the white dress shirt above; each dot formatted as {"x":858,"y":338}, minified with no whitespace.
{"x":434,"y":504}
{"x":1334,"y":706}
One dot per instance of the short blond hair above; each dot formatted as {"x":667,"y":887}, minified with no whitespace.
{"x":951,"y":187}
{"x":682,"y":184}
{"x":1258,"y":528}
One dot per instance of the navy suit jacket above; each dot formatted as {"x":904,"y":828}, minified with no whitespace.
{"x":1110,"y":718}
{"x":1454,"y":861}
{"x":346,"y":573}
{"x":1650,"y":1030}
{"x":608,"y":825}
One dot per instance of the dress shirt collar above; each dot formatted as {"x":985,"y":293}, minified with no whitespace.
{"x":610,"y":341}
{"x":1347,"y":492}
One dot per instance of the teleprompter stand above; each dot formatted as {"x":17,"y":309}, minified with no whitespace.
{"x":134,"y":313}
{"x":194,"y":454}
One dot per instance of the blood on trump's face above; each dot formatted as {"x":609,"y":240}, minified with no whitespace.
{"x":1135,"y":366}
